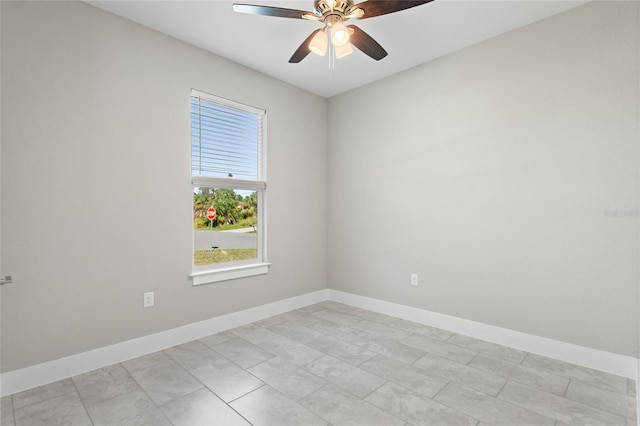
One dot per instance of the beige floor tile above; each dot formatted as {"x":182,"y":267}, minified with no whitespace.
{"x":266,"y":406}
{"x":340,"y":407}
{"x":470,"y":377}
{"x":214,"y":339}
{"x":335,"y":316}
{"x":192,"y":355}
{"x":613,"y":402}
{"x":134,"y":408}
{"x":488,"y":409}
{"x":291,"y":351}
{"x":498,"y":351}
{"x":66,"y":409}
{"x":373,"y":316}
{"x":597,"y":378}
{"x":332,"y":364}
{"x":558,"y":408}
{"x":297,"y":331}
{"x":287,"y":378}
{"x":43,"y":393}
{"x":394,"y":349}
{"x":103,"y":384}
{"x":6,"y":411}
{"x":346,"y":376}
{"x":165,"y":382}
{"x":145,"y":361}
{"x":416,"y":409}
{"x":241,"y":352}
{"x":538,"y":379}
{"x":254,"y":334}
{"x":421,"y":329}
{"x":341,"y":349}
{"x":201,"y":408}
{"x":226,"y":379}
{"x":405,"y":375}
{"x":442,"y":349}
{"x":380,"y":330}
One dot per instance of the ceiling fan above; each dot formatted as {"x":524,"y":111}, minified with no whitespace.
{"x":334,"y":34}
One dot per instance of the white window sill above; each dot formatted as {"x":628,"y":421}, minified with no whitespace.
{"x":232,"y":273}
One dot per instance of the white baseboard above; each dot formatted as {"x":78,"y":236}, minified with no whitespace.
{"x":48,"y":372}
{"x":638,"y":394}
{"x":619,"y":365}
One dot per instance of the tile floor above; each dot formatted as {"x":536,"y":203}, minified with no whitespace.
{"x":332,"y":364}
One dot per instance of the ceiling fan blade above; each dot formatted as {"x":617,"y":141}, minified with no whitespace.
{"x":303,"y":50}
{"x":269,"y":11}
{"x":373,"y":8}
{"x":366,"y":43}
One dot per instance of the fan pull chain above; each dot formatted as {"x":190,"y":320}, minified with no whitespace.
{"x":332,"y":56}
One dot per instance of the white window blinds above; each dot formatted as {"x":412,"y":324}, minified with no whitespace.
{"x":226,"y":138}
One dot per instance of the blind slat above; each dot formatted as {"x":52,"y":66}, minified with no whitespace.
{"x":225,"y":140}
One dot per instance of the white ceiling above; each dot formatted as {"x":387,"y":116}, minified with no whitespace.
{"x":411,"y":37}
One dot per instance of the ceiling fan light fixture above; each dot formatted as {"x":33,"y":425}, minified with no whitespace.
{"x":332,"y":14}
{"x":339,"y":34}
{"x":319,"y":43}
{"x":342,"y":51}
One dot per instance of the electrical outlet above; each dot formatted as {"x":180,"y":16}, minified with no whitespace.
{"x":148,"y":299}
{"x":414,"y":279}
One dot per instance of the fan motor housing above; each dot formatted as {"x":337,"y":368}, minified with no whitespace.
{"x":323,"y":7}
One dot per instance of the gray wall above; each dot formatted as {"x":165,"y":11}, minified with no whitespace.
{"x":0,"y":180}
{"x":96,"y":182}
{"x":491,"y":174}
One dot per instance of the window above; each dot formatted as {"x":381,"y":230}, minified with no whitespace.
{"x":229,"y":189}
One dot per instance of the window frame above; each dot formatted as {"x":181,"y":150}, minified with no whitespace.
{"x":205,"y":274}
